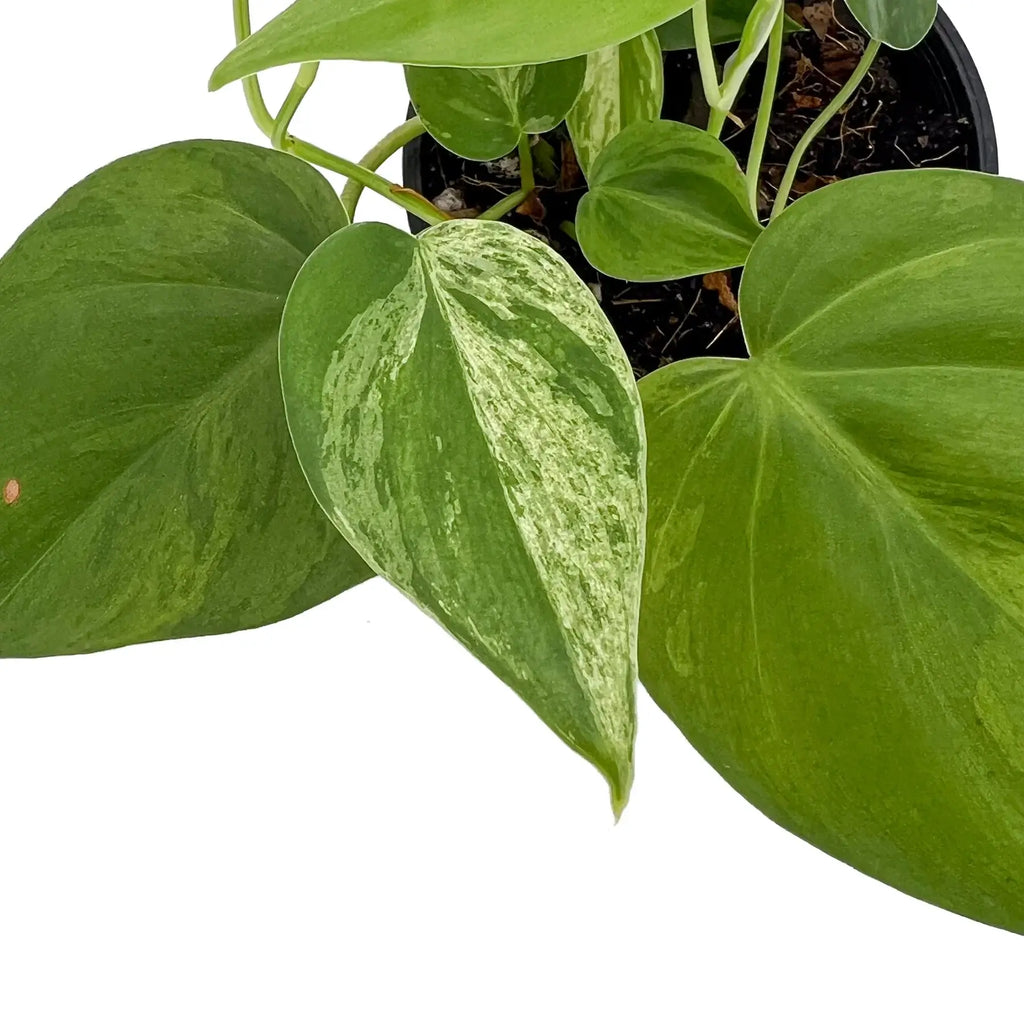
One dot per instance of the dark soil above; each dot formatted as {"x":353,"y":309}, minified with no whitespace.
{"x":905,"y":115}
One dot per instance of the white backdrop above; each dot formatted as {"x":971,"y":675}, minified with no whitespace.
{"x":343,"y":817}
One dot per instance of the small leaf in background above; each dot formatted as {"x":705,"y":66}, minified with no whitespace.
{"x":726,"y":19}
{"x":481,"y":113}
{"x":466,"y":416}
{"x":901,"y":24}
{"x":624,"y":84}
{"x":666,"y":201}
{"x":451,"y":33}
{"x":151,"y":487}
{"x":834,"y":595}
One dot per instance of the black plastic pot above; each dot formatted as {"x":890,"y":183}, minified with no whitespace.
{"x":944,"y":51}
{"x":939,"y":117}
{"x":955,"y":69}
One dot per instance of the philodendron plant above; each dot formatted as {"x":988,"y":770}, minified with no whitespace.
{"x":815,"y":555}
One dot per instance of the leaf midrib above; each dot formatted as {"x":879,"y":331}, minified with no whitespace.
{"x":864,"y":285}
{"x":837,"y":441}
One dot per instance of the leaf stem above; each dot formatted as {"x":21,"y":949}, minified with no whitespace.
{"x":764,"y":112}
{"x":407,"y":198}
{"x":251,"y":85}
{"x":303,"y":83}
{"x":527,"y":183}
{"x":822,"y":121}
{"x":386,"y":148}
{"x":276,"y":129}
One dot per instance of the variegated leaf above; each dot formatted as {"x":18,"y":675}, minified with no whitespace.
{"x":481,"y":113}
{"x":624,"y":84}
{"x":467,"y":418}
{"x":666,"y":200}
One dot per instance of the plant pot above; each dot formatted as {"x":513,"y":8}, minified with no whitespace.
{"x":925,"y":107}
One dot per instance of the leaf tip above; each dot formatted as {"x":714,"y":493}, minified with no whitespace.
{"x":620,"y":784}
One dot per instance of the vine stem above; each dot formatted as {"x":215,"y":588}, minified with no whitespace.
{"x":822,"y":121}
{"x":764,"y":112}
{"x":251,"y":85}
{"x":407,"y":198}
{"x":527,"y":183}
{"x":303,"y":83}
{"x":386,"y":148}
{"x":276,"y":129}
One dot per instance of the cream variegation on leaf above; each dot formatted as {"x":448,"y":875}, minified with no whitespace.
{"x":625,"y":84}
{"x":466,"y":416}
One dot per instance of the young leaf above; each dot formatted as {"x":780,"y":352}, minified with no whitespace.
{"x":726,"y":19}
{"x":143,"y":433}
{"x":901,"y":24}
{"x":834,"y":596}
{"x":624,"y":84}
{"x":445,"y":33}
{"x":481,"y":113}
{"x":467,"y":418}
{"x":666,"y":200}
{"x":756,"y":33}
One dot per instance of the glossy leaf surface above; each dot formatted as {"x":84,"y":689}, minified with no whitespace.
{"x":726,"y":19}
{"x":444,"y":33}
{"x":902,"y":24}
{"x":481,"y":113}
{"x":466,"y":416}
{"x":143,"y":433}
{"x":666,"y":200}
{"x":624,"y":84}
{"x":834,"y":597}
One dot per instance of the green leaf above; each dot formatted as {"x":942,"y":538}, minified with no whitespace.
{"x":142,"y":422}
{"x":901,"y":24}
{"x":482,"y":113}
{"x":467,"y":418}
{"x":624,"y":84}
{"x":726,"y":19}
{"x":834,"y":597}
{"x":756,"y":33}
{"x":445,"y":33}
{"x":666,"y":200}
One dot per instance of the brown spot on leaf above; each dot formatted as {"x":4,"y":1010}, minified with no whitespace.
{"x":12,"y":492}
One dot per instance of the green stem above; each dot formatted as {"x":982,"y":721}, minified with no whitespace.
{"x":822,"y":121}
{"x":527,"y":183}
{"x":716,"y":122}
{"x":386,"y":148}
{"x":251,"y":85}
{"x":764,"y":112}
{"x":404,"y":197}
{"x":303,"y":83}
{"x":706,"y":55}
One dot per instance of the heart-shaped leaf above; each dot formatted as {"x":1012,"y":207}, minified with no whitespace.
{"x":834,"y":597}
{"x":666,"y":200}
{"x":443,"y":33}
{"x":624,"y":84}
{"x":153,"y":490}
{"x":466,"y":416}
{"x":901,"y":24}
{"x":726,"y":19}
{"x":482,"y":113}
